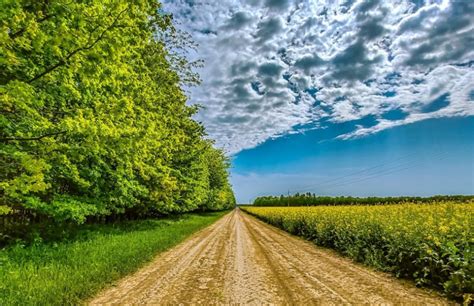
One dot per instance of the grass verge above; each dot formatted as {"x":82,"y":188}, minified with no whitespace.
{"x":67,"y":272}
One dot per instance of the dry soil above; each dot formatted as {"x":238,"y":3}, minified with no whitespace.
{"x":241,"y":260}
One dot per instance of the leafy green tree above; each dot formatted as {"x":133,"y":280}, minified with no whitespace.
{"x":220,"y":191}
{"x":93,"y":120}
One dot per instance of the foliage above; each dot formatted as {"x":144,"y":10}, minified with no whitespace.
{"x":311,"y":199}
{"x":5,"y":210}
{"x":67,"y":272}
{"x":432,"y":244}
{"x":93,"y":119}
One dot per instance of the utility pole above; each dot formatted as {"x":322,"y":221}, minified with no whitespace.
{"x":288,"y":198}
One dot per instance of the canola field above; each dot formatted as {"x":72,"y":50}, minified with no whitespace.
{"x":433,"y":244}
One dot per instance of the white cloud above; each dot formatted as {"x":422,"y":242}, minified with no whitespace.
{"x":274,"y":64}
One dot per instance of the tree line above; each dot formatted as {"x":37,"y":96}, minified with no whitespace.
{"x":93,"y":119}
{"x":311,"y":199}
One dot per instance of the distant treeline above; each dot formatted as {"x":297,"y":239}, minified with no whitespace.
{"x":94,"y":121}
{"x":310,"y":199}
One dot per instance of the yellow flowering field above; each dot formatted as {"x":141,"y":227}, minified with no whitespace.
{"x":430,"y":243}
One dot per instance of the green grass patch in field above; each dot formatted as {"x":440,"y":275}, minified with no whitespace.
{"x":67,"y":272}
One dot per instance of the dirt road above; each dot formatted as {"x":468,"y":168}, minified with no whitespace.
{"x":242,"y":260}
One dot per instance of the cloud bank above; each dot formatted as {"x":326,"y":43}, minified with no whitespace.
{"x":273,"y":65}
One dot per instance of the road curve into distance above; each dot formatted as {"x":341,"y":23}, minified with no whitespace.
{"x":242,"y":260}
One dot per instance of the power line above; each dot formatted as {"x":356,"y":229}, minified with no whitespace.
{"x":341,"y":179}
{"x":303,"y":188}
{"x":382,"y":174}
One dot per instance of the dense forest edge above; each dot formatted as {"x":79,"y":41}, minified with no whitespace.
{"x":94,"y":125}
{"x":311,"y":199}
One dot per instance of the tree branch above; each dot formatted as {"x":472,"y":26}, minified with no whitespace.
{"x":87,"y":47}
{"x":6,"y":139}
{"x":39,"y":20}
{"x":21,"y":31}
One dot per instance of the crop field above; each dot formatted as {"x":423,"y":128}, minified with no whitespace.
{"x":433,"y":244}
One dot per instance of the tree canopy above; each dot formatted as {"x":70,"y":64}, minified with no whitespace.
{"x":93,"y":117}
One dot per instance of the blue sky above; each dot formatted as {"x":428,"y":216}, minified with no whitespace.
{"x":430,"y":157}
{"x":347,"y":93}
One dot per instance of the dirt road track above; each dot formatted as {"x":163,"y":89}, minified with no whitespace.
{"x":242,"y":260}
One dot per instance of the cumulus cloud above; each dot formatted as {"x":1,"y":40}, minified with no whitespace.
{"x":277,"y":4}
{"x":268,"y":28}
{"x":238,"y":21}
{"x":271,"y":65}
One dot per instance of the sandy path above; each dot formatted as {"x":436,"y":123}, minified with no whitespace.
{"x":241,"y":260}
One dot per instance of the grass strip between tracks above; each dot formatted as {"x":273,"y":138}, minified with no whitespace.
{"x":70,"y":271}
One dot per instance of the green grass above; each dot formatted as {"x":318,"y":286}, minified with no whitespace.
{"x":67,"y":272}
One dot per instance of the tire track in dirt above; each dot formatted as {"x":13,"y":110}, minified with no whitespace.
{"x":241,"y":260}
{"x":348,"y":280}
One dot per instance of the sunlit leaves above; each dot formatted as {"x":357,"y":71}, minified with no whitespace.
{"x":89,"y":97}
